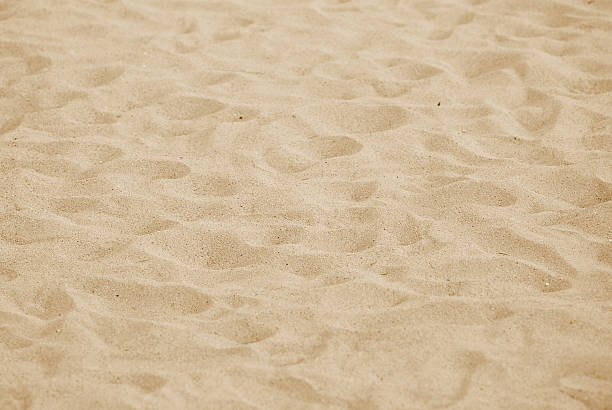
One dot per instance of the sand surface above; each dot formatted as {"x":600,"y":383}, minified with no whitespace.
{"x":256,"y":204}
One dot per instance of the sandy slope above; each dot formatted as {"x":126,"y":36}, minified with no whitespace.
{"x":305,"y":204}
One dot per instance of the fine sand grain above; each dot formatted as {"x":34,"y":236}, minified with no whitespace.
{"x":348,"y":204}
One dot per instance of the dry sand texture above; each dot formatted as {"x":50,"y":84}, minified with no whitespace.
{"x":305,"y":204}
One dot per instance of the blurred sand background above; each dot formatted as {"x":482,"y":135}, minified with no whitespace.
{"x":305,"y":204}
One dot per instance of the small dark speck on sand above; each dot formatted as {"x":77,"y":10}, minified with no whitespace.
{"x":438,"y":103}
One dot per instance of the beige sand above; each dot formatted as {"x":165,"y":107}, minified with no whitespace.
{"x":305,"y":204}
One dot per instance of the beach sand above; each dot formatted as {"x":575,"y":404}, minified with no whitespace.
{"x":256,"y":204}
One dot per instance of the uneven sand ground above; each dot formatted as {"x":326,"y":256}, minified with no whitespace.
{"x":305,"y":204}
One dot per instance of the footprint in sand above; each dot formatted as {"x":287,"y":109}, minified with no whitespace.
{"x":323,"y":147}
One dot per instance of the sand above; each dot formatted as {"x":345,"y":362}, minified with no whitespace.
{"x":256,"y":204}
